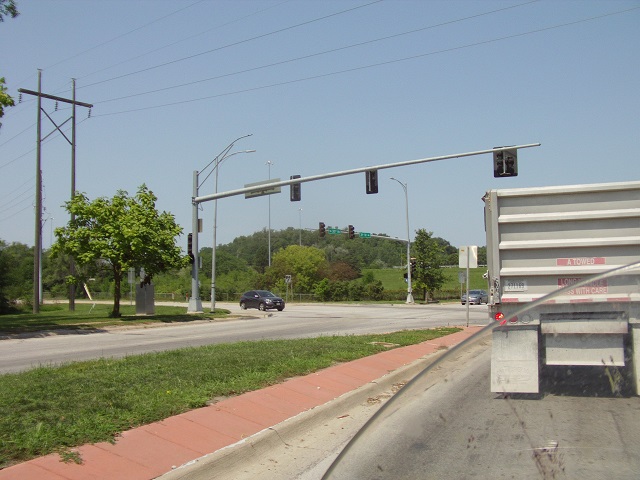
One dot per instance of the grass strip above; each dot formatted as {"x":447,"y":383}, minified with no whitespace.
{"x":49,"y":409}
{"x":87,"y":317}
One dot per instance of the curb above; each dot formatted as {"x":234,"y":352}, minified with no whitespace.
{"x":232,"y":457}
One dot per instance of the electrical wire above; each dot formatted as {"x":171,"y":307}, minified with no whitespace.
{"x":184,"y":39}
{"x":240,"y":42}
{"x":312,"y":55}
{"x":124,"y":34}
{"x":374,"y":65}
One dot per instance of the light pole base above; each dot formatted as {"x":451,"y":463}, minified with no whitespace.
{"x":409,"y":298}
{"x":195,"y":305}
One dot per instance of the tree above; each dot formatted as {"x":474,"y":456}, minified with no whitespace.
{"x":8,"y":7}
{"x":429,"y":255}
{"x":5,"y":99}
{"x":16,"y":273}
{"x":306,"y":265}
{"x":125,"y":232}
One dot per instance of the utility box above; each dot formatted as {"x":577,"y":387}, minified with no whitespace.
{"x":145,"y":301}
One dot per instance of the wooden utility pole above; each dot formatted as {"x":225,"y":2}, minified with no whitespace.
{"x":38,"y":223}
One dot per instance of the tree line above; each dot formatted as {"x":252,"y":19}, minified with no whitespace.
{"x":108,"y":236}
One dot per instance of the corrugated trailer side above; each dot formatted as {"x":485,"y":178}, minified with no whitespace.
{"x":543,"y":239}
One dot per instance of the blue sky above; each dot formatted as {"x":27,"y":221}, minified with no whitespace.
{"x":322,"y":86}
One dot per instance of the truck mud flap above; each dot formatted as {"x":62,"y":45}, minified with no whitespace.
{"x":514,"y":360}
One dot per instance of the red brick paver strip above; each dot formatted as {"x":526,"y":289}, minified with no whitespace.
{"x":152,"y":450}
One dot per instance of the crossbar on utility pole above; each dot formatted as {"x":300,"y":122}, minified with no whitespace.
{"x":37,"y":272}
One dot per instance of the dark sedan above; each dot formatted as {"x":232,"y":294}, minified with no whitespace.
{"x":261,"y":299}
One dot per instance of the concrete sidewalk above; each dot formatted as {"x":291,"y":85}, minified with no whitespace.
{"x":152,"y":450}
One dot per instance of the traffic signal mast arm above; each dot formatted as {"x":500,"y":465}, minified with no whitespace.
{"x":242,"y":191}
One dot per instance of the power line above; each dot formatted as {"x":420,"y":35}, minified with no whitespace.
{"x":317,"y":54}
{"x":16,"y":201}
{"x":124,"y":34}
{"x":14,"y":214}
{"x":17,"y":188}
{"x":240,"y":42}
{"x":55,"y":135}
{"x":17,"y":135}
{"x":374,"y":65}
{"x":184,"y":39}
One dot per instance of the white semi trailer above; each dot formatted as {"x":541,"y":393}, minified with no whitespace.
{"x":542,"y":239}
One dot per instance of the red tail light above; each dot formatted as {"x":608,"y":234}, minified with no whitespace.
{"x":499,"y":317}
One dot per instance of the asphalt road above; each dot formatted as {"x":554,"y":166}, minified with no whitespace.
{"x":296,"y":321}
{"x":447,"y":424}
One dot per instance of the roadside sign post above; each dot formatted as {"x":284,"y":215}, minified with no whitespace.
{"x":468,"y":258}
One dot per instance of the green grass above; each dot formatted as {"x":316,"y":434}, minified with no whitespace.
{"x":392,"y":278}
{"x":88,"y":318}
{"x":50,"y":409}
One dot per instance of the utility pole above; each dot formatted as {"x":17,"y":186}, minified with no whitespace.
{"x":38,"y":223}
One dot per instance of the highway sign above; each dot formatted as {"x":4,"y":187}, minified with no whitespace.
{"x":364,"y":235}
{"x":334,"y":231}
{"x":264,"y":191}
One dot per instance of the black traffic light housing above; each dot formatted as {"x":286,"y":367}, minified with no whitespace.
{"x":190,"y":247}
{"x":352,"y":233}
{"x":505,"y":163}
{"x":413,"y":265}
{"x":294,"y":192}
{"x":322,"y":231}
{"x":372,"y":181}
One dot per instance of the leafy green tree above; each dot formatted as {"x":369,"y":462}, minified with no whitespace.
{"x":342,"y":271}
{"x":8,"y":7}
{"x":374,"y":290}
{"x":16,"y":272}
{"x":322,"y":290}
{"x":16,"y":261}
{"x":124,"y":232}
{"x":306,"y":265}
{"x":5,"y":99}
{"x":429,"y":254}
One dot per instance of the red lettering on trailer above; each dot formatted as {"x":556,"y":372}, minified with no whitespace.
{"x":591,"y":288}
{"x":580,"y":261}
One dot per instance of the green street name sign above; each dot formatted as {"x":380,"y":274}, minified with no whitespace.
{"x":334,"y":231}
{"x":364,"y":235}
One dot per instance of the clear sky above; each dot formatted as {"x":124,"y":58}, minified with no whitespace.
{"x":322,"y":86}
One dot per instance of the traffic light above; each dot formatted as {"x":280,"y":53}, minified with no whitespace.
{"x":413,"y":265}
{"x":190,"y":247}
{"x":372,"y":181}
{"x":505,"y":163}
{"x":294,"y":191}
{"x":322,"y":230}
{"x":352,"y":233}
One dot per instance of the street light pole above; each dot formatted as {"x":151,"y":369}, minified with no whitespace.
{"x":195,"y":303}
{"x":219,"y":161}
{"x":269,"y":163}
{"x":300,"y":225}
{"x":409,"y":287}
